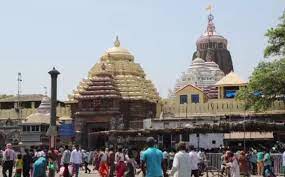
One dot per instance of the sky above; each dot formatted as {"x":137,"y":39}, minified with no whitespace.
{"x":71,"y":35}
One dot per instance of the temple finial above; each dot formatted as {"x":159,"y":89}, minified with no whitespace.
{"x":211,"y":29}
{"x":117,"y":42}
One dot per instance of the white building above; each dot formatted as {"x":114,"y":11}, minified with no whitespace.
{"x":201,"y":74}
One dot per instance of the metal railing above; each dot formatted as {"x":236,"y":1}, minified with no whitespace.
{"x":214,"y":160}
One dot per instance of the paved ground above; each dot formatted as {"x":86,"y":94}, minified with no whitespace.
{"x":96,"y":174}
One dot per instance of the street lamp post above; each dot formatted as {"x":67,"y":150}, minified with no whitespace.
{"x":52,"y":130}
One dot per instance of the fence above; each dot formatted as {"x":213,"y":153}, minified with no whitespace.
{"x":214,"y":159}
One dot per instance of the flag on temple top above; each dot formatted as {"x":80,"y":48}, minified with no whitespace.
{"x":209,"y":8}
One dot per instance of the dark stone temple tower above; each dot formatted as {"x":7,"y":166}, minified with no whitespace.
{"x":213,"y":47}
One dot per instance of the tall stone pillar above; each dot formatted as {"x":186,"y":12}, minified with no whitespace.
{"x":52,"y":131}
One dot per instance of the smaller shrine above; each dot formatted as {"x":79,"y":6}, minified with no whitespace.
{"x":35,"y":126}
{"x":229,"y":85}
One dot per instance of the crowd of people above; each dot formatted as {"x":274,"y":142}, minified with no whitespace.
{"x":151,"y":162}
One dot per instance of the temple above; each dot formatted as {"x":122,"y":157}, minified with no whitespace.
{"x":203,"y":75}
{"x":213,"y":47}
{"x":115,"y":96}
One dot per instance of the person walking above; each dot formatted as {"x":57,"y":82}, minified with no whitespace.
{"x":28,"y":161}
{"x":194,"y":161}
{"x":86,"y":161}
{"x":243,"y":164}
{"x":181,"y":166}
{"x":253,"y":162}
{"x":131,"y":166}
{"x":19,"y":166}
{"x":65,"y":160}
{"x":267,"y":171}
{"x":283,"y":162}
{"x":103,"y":167}
{"x":233,"y":165}
{"x":152,"y":160}
{"x":76,"y":160}
{"x":40,"y":165}
{"x":111,"y":162}
{"x":52,"y":166}
{"x":120,"y":163}
{"x":9,"y":158}
{"x":260,"y":166}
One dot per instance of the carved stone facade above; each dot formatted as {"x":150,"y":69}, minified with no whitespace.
{"x":201,"y":74}
{"x":213,"y":47}
{"x":116,"y":95}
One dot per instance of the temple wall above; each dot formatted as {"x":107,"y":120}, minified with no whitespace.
{"x":216,"y":107}
{"x":12,"y":114}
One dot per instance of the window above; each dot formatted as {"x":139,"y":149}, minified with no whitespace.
{"x":26,"y":128}
{"x":185,"y":137}
{"x":195,"y":98}
{"x":230,"y":93}
{"x":35,"y":128}
{"x":213,"y":142}
{"x":183,"y":99}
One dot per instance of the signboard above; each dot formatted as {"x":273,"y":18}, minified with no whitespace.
{"x":66,"y":130}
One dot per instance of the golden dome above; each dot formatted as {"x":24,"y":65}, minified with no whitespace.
{"x":117,"y":52}
{"x":128,"y":75}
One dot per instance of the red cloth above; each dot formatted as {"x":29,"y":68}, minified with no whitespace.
{"x":120,"y":169}
{"x":103,"y":169}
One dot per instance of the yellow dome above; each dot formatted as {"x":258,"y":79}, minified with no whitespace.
{"x":128,"y":75}
{"x":117,"y":52}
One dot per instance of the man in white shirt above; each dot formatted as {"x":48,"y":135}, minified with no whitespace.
{"x":76,"y":159}
{"x":194,"y":161}
{"x":9,"y":157}
{"x":182,"y":163}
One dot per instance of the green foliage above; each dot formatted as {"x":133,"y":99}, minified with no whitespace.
{"x":267,"y":83}
{"x":276,"y":39}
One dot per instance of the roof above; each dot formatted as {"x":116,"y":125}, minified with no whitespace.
{"x":23,"y":98}
{"x":191,"y":86}
{"x":38,"y":118}
{"x":231,"y":79}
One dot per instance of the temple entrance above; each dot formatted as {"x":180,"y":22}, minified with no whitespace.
{"x":96,"y":141}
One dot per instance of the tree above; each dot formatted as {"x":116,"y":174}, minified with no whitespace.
{"x":267,"y":82}
{"x":276,"y":39}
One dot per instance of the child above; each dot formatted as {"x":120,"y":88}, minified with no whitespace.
{"x":19,"y":166}
{"x":51,"y":167}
